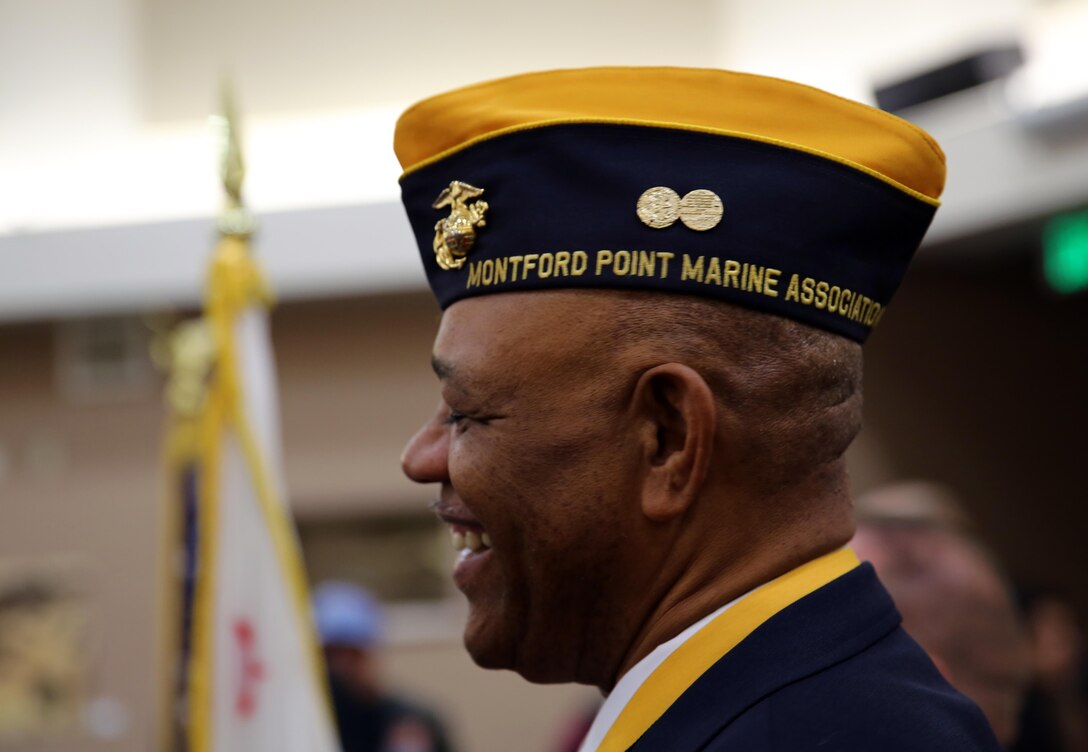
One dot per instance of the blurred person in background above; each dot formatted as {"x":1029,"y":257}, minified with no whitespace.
{"x":349,"y":622}
{"x":953,"y":597}
{"x":1055,"y":717}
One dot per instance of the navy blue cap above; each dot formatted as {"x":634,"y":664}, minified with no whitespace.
{"x":751,"y":190}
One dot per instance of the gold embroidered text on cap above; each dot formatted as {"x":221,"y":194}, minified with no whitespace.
{"x":455,"y":235}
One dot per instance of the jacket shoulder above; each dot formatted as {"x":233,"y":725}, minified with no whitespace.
{"x":889,"y":697}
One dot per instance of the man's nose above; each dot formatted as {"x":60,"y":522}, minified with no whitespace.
{"x":426,"y":455}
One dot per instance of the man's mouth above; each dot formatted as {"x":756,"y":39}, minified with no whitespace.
{"x":466,"y":533}
{"x":469,"y":538}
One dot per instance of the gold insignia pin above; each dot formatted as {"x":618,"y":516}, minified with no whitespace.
{"x":660,"y":207}
{"x":455,"y":235}
{"x":701,"y":210}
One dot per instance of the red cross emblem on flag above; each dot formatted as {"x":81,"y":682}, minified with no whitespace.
{"x":251,"y":668}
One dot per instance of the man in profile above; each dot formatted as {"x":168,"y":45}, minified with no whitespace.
{"x":655,"y":288}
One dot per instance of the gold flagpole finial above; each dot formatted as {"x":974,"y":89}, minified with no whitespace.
{"x":235,"y":220}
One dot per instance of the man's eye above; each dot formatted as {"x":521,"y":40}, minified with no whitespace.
{"x":455,"y":419}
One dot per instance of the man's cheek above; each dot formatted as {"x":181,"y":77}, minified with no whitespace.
{"x":467,"y":460}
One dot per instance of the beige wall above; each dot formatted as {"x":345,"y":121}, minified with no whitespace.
{"x":343,"y":54}
{"x":356,"y":380}
{"x":81,"y":484}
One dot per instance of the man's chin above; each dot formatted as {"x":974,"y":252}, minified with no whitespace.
{"x":493,"y":652}
{"x":487,"y":648}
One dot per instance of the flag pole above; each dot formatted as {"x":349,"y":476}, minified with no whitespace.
{"x":188,"y":354}
{"x":234,"y":422}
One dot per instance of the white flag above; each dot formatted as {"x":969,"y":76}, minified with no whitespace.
{"x":255,"y":680}
{"x":250,"y":677}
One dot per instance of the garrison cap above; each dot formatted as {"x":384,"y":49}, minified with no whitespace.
{"x":752,"y":190}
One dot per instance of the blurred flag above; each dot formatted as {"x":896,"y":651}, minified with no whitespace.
{"x":249,"y":675}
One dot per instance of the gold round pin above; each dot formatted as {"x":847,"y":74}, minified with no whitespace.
{"x":701,"y":210}
{"x":658,"y":207}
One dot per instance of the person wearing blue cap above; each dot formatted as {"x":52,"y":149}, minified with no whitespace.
{"x":655,"y":284}
{"x":349,"y":622}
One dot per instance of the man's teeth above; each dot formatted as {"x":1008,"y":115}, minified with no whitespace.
{"x":470,"y":540}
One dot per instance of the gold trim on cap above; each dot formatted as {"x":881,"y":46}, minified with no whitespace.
{"x":740,"y":105}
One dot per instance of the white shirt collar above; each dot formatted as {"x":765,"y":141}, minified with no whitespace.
{"x":630,"y":682}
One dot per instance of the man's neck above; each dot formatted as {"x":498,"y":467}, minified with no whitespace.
{"x":706,"y":587}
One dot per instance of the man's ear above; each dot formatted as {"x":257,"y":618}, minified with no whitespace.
{"x":677,"y":414}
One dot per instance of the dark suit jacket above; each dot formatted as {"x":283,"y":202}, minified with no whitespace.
{"x":833,"y":672}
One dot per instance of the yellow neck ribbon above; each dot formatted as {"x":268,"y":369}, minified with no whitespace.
{"x":707,"y":646}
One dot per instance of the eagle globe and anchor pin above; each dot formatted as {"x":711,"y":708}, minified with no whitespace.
{"x":455,"y":235}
